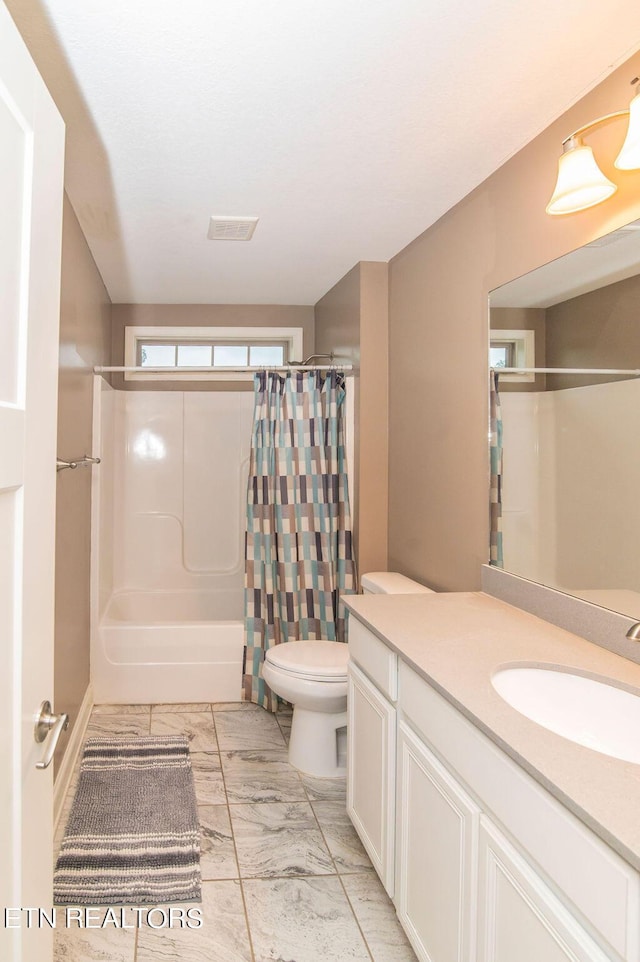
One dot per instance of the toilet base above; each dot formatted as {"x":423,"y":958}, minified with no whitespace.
{"x":313,"y":748}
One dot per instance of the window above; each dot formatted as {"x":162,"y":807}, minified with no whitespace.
{"x":216,"y":348}
{"x":501,"y":354}
{"x":512,"y":349}
{"x":155,"y":354}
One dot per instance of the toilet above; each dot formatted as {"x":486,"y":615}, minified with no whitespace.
{"x":312,"y":675}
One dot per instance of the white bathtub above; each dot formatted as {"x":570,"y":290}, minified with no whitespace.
{"x":169,"y":646}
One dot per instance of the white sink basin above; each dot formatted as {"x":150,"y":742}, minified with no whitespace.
{"x":586,"y":711}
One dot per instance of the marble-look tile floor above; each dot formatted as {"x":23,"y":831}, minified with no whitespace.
{"x":285,"y":878}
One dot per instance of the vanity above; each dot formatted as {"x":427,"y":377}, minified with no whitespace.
{"x":497,"y":839}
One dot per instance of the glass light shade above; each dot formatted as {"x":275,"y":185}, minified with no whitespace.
{"x":580,"y":183}
{"x":629,"y":156}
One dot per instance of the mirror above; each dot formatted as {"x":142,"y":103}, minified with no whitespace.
{"x":571,"y":441}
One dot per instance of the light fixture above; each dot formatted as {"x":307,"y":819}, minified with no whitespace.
{"x":629,"y":156}
{"x":581,"y":183}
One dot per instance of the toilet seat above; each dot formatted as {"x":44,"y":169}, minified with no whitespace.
{"x":312,"y":660}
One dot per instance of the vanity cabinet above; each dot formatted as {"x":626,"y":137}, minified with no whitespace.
{"x":484,"y":864}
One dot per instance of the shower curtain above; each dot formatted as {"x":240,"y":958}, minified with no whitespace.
{"x":495,"y":519}
{"x":299,"y":551}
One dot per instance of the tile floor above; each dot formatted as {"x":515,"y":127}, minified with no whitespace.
{"x":285,"y":878}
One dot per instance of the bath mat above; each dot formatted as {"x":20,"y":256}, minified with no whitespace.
{"x":132,"y":837}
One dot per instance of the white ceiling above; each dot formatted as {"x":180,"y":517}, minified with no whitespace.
{"x":347,"y":126}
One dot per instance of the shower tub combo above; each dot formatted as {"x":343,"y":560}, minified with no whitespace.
{"x":167,"y":570}
{"x":167,"y":545}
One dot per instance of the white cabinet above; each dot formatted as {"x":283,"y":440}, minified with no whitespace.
{"x":371,"y":753}
{"x":487,"y":865}
{"x":600,"y":891}
{"x":519,"y":917}
{"x":436,"y":842}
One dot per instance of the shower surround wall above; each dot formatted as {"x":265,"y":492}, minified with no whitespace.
{"x":168,"y":564}
{"x":557,"y":530}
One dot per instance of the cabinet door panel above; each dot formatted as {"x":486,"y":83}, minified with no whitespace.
{"x":436,"y":835}
{"x":520,"y":918}
{"x":371,"y":772}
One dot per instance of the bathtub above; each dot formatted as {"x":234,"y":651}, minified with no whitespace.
{"x":155,"y":647}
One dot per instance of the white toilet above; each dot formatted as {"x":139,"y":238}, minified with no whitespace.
{"x":312,"y":675}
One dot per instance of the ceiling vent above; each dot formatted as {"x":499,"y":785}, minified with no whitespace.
{"x":616,"y":235}
{"x":232,"y":228}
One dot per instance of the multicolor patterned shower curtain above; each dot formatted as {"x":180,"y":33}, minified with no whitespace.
{"x":495,"y":519}
{"x":299,"y":552}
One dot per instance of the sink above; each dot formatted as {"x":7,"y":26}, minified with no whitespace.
{"x":593,"y":713}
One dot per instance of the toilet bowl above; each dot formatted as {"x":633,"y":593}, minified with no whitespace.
{"x":312,"y":675}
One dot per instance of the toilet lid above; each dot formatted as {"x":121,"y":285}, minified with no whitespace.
{"x":316,"y":660}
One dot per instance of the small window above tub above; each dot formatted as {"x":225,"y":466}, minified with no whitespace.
{"x":164,"y":350}
{"x":512,"y":349}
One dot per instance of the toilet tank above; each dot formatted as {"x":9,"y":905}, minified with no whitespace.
{"x":391,"y":583}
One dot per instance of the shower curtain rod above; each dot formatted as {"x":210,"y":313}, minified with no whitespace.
{"x":563,"y":370}
{"x":242,"y":369}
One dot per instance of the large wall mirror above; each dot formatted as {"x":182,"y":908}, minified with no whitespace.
{"x":571,"y":441}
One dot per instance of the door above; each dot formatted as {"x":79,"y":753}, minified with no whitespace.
{"x":519,"y":917}
{"x":31,"y":177}
{"x":436,"y":839}
{"x":371,"y":734}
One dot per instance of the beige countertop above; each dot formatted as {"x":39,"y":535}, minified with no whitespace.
{"x":457,"y":641}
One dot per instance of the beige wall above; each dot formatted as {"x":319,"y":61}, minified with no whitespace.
{"x":352,"y":321}
{"x":599,"y":329}
{"x":85,"y":340}
{"x":439,"y":284}
{"x":202,"y":315}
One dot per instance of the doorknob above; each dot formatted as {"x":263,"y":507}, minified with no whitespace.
{"x":46,"y":722}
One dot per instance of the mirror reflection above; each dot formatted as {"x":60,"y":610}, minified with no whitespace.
{"x":570,"y":476}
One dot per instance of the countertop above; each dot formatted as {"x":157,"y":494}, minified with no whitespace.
{"x":456,"y":641}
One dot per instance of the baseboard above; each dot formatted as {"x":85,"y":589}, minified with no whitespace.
{"x":70,"y":757}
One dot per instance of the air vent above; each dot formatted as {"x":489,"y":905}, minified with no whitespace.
{"x":605,"y":241}
{"x":615,"y":235}
{"x":232,"y":228}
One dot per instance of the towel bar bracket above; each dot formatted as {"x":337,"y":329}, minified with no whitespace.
{"x":79,"y":462}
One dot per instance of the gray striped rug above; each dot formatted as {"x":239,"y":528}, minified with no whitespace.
{"x":132,"y":837}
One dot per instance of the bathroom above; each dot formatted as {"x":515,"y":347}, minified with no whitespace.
{"x":414,"y":322}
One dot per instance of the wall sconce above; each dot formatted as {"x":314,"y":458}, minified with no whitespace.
{"x":581,"y":183}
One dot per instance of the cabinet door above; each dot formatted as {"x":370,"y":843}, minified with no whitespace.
{"x":436,"y":836}
{"x":371,"y":771}
{"x":519,"y":916}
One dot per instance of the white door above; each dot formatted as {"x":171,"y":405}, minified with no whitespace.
{"x":31,"y":178}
